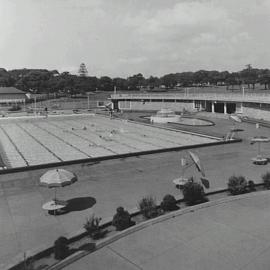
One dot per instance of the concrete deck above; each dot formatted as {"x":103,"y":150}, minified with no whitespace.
{"x":229,"y":236}
{"x":105,"y":186}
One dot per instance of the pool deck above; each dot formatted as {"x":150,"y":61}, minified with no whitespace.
{"x":104,"y":186}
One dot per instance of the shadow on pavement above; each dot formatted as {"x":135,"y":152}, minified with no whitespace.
{"x":79,"y":204}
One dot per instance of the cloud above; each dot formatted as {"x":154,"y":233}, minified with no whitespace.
{"x":132,"y":60}
{"x":123,"y":37}
{"x":201,"y":34}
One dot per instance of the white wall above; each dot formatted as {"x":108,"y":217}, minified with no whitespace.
{"x":256,"y":113}
{"x":154,"y":106}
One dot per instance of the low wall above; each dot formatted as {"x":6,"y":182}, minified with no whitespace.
{"x":256,"y":113}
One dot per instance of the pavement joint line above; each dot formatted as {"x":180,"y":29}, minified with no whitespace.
{"x":62,"y":140}
{"x":105,"y":242}
{"x":103,"y":146}
{"x":124,"y":258}
{"x":38,"y":141}
{"x":15,"y":146}
{"x":71,"y":132}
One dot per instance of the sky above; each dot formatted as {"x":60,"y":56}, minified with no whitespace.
{"x":126,"y":37}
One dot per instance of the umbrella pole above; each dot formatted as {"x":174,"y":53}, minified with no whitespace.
{"x":54,"y":200}
{"x":259,"y":148}
{"x":55,"y":195}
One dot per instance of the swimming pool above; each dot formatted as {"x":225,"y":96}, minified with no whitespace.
{"x":64,"y":138}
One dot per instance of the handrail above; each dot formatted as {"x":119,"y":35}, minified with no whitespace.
{"x":247,"y":97}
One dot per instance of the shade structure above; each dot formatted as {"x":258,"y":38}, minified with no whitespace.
{"x":57,"y":178}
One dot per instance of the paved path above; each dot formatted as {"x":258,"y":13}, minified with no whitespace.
{"x":230,"y":236}
{"x":104,"y":186}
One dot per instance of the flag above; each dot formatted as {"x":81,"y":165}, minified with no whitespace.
{"x":205,"y":182}
{"x":197,"y":162}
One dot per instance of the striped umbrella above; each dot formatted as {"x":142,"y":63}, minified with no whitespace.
{"x":57,"y":178}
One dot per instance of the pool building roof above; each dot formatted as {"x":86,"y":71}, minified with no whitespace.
{"x":10,"y":90}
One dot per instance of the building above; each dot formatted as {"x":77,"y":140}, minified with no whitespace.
{"x":11,"y":95}
{"x":254,"y":105}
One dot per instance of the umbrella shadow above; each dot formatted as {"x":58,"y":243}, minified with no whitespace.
{"x":79,"y":204}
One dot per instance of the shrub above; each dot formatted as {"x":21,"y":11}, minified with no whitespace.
{"x":168,"y":203}
{"x":15,"y":108}
{"x":266,"y":180}
{"x":251,"y":185}
{"x":148,"y":207}
{"x":193,"y":192}
{"x":92,"y":226}
{"x":122,"y":220}
{"x":237,"y":185}
{"x":61,"y":250}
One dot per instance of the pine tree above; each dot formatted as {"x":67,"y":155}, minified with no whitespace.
{"x":83,"y":70}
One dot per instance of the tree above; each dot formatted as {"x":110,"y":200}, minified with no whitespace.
{"x":249,"y":76}
{"x":153,"y":82}
{"x":120,"y":84}
{"x":105,"y":83}
{"x":264,"y":78}
{"x":83,"y":70}
{"x":232,"y":80}
{"x":136,"y":82}
{"x":169,"y":80}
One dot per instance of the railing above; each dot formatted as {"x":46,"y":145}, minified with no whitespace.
{"x":245,"y":97}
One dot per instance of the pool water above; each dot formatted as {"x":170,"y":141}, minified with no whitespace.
{"x":187,"y":121}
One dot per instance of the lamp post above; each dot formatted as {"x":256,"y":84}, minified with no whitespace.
{"x":35,"y":104}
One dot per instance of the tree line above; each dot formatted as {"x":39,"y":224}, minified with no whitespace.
{"x":49,"y":81}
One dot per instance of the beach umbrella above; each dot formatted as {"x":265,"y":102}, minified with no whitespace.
{"x":197,"y":162}
{"x":259,"y":140}
{"x":57,"y":178}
